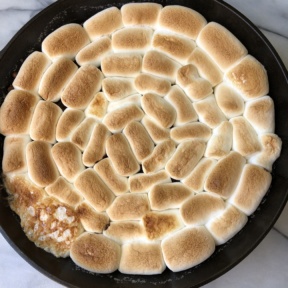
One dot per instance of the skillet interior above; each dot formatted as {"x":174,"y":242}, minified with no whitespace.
{"x":29,"y":38}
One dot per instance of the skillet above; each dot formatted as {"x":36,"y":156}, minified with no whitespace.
{"x":226,"y":256}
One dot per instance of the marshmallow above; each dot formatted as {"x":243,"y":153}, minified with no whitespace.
{"x":134,"y":100}
{"x":97,"y":107}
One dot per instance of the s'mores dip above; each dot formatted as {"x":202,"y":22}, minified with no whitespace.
{"x":139,"y":140}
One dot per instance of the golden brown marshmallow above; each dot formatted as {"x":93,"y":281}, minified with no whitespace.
{"x":183,"y":106}
{"x":94,"y":52}
{"x":168,"y":196}
{"x":221,"y":45}
{"x":65,"y":41}
{"x":121,"y":155}
{"x":129,"y":207}
{"x":140,"y":14}
{"x":41,"y":167}
{"x":134,"y":99}
{"x":245,"y":138}
{"x":181,"y":20}
{"x":159,"y":157}
{"x":97,"y":107}
{"x":56,"y":78}
{"x":68,"y":160}
{"x":16,"y":112}
{"x":158,"y":64}
{"x":196,"y":179}
{"x":197,"y":245}
{"x":65,"y":192}
{"x":116,"y":183}
{"x":227,"y":224}
{"x":14,"y":156}
{"x":93,"y":189}
{"x":88,"y":247}
{"x":225,"y":175}
{"x":44,"y":121}
{"x":87,"y":80}
{"x":67,"y":122}
{"x":185,"y":158}
{"x":31,"y":72}
{"x":229,"y":100}
{"x":253,"y":185}
{"x":249,"y":77}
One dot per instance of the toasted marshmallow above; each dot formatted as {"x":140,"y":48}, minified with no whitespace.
{"x":225,"y":175}
{"x":95,"y":149}
{"x":197,"y":245}
{"x":117,"y":88}
{"x":97,"y":107}
{"x":158,"y":64}
{"x":41,"y":167}
{"x":260,"y":113}
{"x":222,"y":46}
{"x":185,"y":158}
{"x":87,"y":80}
{"x":159,"y":157}
{"x":270,"y":150}
{"x":199,"y":209}
{"x":106,"y":251}
{"x":220,"y":143}
{"x":122,"y":64}
{"x":175,"y":46}
{"x":16,"y":112}
{"x":139,"y":140}
{"x":183,"y":106}
{"x":188,"y":131}
{"x":141,"y":258}
{"x":44,"y":121}
{"x":31,"y":72}
{"x":92,"y":220}
{"x":14,"y":156}
{"x":145,"y":83}
{"x":196,"y":179}
{"x":125,"y":231}
{"x":117,"y":119}
{"x":64,"y":192}
{"x":68,"y":160}
{"x":252,"y":186}
{"x":209,"y":112}
{"x":65,"y":41}
{"x":168,"y":195}
{"x":206,"y":67}
{"x":158,"y":225}
{"x":67,"y":122}
{"x":132,"y":39}
{"x":103,"y":23}
{"x":134,"y":99}
{"x":186,"y":74}
{"x":94,"y":52}
{"x":81,"y":135}
{"x":156,"y":132}
{"x":182,"y":20}
{"x":224,"y":226}
{"x":245,"y":139}
{"x":140,"y":14}
{"x":121,"y":155}
{"x":93,"y":189}
{"x":128,"y":207}
{"x":249,"y":77}
{"x":144,"y":182}
{"x":56,"y":78}
{"x":116,"y":183}
{"x":229,"y":100}
{"x":159,"y":109}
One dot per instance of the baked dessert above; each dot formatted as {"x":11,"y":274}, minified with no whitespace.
{"x":139,"y":140}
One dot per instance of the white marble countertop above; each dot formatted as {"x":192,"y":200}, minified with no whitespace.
{"x":267,"y":265}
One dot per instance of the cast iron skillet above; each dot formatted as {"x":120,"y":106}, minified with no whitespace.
{"x":226,"y":256}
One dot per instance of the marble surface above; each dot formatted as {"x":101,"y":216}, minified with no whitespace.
{"x":267,"y":265}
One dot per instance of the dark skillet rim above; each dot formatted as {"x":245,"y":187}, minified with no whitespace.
{"x":279,"y":181}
